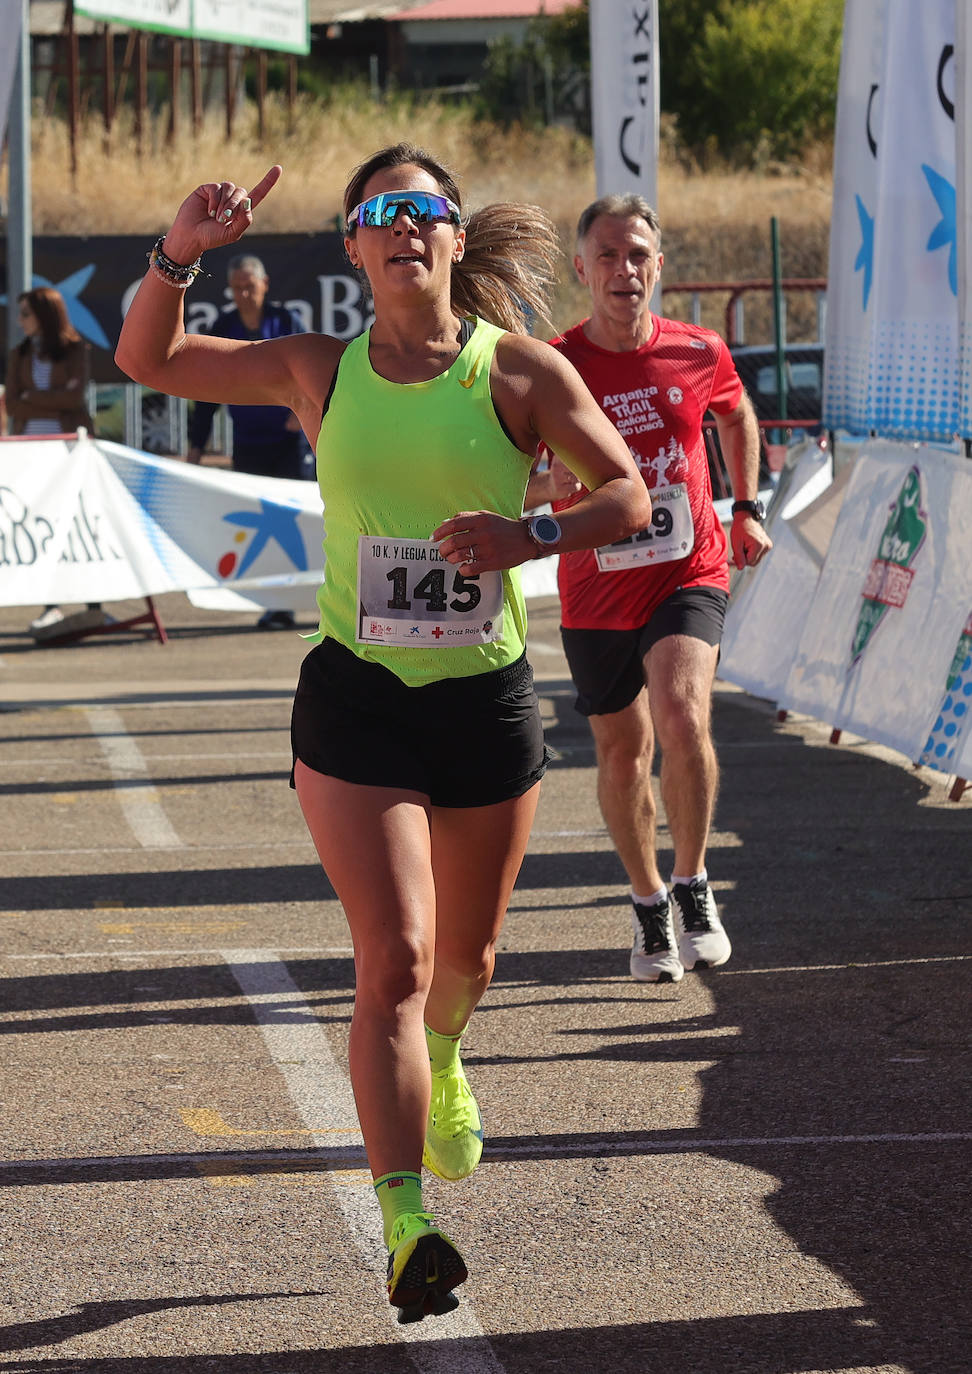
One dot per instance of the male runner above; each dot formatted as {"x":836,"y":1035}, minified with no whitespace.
{"x":642,"y":620}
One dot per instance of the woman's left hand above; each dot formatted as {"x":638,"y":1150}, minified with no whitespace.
{"x":481,"y":541}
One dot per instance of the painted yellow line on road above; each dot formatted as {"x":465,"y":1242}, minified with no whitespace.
{"x":219,"y":1176}
{"x":207,"y":1121}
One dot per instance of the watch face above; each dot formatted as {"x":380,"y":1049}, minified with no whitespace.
{"x":546,"y":529}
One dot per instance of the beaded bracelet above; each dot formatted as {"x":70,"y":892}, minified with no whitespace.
{"x":175,"y":274}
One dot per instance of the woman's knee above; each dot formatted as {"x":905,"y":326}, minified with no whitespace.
{"x":394,"y":972}
{"x":470,"y":962}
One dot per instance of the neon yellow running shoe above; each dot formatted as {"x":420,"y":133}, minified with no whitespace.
{"x":454,"y":1134}
{"x":423,"y":1268}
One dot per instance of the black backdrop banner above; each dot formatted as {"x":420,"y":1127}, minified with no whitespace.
{"x":98,"y":277}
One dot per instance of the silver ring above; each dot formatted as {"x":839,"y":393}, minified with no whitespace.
{"x":472,"y":554}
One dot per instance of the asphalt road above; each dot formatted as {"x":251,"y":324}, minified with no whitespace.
{"x":761,"y":1169}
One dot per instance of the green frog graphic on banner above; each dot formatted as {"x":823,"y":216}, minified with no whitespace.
{"x":890,"y":575}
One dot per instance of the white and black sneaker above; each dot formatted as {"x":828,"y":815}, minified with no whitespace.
{"x":654,"y":958}
{"x":702,"y":941}
{"x":47,"y":623}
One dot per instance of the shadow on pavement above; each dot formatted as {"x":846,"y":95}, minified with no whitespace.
{"x":859,"y":895}
{"x":837,"y":1063}
{"x":243,"y":886}
{"x":784,"y":1343}
{"x":95,"y":1316}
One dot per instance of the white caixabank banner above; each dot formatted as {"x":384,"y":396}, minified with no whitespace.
{"x":885,"y":633}
{"x":87,"y":520}
{"x":83,"y":519}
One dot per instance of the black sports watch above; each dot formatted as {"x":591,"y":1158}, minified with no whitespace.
{"x":754,"y":508}
{"x":545,"y":532}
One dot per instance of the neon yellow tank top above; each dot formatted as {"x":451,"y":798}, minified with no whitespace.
{"x":393,"y":461}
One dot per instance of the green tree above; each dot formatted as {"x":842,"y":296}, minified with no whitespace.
{"x":760,"y":77}
{"x":680,"y":24}
{"x":747,"y":79}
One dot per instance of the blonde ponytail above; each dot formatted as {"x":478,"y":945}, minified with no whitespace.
{"x":509,"y":266}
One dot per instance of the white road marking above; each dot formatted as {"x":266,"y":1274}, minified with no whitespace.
{"x":116,"y":953}
{"x":251,"y":847}
{"x":256,"y":845}
{"x":140,"y":803}
{"x":599,"y":832}
{"x":499,"y":983}
{"x":68,"y":763}
{"x":645,"y":1145}
{"x":351,"y":1157}
{"x":850,"y":966}
{"x":322,"y":1095}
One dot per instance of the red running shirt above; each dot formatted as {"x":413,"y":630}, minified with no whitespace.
{"x":656,"y":396}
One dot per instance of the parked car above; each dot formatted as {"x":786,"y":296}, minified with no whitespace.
{"x":756,"y":365}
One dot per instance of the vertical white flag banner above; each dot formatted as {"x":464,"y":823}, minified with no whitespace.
{"x":963,"y":135}
{"x":624,"y":96}
{"x":860,"y":95}
{"x":11,"y":14}
{"x":893,"y":359}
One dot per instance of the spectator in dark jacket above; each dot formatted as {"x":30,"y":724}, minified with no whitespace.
{"x":267,"y":440}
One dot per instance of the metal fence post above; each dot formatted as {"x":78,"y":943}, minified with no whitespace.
{"x":779,"y":322}
{"x":133,"y":415}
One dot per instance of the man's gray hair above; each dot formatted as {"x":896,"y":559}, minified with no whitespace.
{"x":245,"y":262}
{"x":621,"y":207}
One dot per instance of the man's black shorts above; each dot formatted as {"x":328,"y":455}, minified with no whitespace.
{"x":469,"y":741}
{"x":608,"y":665}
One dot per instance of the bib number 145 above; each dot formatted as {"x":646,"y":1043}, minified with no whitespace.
{"x":432,"y":590}
{"x":409,"y":594}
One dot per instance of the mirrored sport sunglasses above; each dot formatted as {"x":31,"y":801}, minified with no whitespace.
{"x":424,"y":207}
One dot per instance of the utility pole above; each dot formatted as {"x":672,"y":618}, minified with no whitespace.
{"x":20,"y":257}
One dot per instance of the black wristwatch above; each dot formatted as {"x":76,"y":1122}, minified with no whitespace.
{"x":545,"y":532}
{"x":754,"y":508}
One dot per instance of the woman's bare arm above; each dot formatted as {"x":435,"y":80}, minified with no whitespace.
{"x":154,"y":348}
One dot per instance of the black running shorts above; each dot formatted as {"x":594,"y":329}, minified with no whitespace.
{"x":608,"y":665}
{"x":470,"y":741}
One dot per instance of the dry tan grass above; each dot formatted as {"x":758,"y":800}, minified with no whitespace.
{"x":716,"y":225}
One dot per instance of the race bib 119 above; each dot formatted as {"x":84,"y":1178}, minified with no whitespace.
{"x":670,"y":535}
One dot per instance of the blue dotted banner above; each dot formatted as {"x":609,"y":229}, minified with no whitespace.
{"x":955,"y":712}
